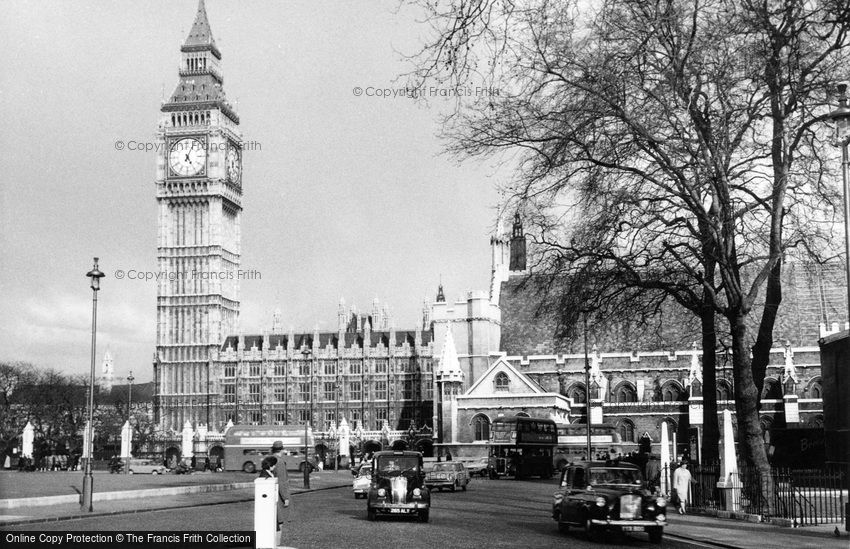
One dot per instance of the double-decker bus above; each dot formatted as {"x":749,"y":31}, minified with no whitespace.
{"x":523,"y":446}
{"x":245,"y":446}
{"x":572,"y":443}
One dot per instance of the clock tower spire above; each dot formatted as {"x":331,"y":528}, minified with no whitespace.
{"x":199,"y":194}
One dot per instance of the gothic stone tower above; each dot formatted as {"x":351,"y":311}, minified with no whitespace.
{"x":199,"y":193}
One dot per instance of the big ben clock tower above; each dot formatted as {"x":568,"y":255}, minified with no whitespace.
{"x":199,"y":194}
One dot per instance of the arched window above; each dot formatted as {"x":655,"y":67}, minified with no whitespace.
{"x":481,"y":427}
{"x":671,"y":392}
{"x":625,"y":393}
{"x":627,"y":431}
{"x":577,"y":393}
{"x":771,"y":390}
{"x":503,"y":382}
{"x":724,"y":390}
{"x":815,"y":389}
{"x":522,"y":414}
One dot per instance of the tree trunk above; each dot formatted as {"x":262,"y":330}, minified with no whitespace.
{"x":710,"y":426}
{"x":750,"y":438}
{"x":764,"y":341}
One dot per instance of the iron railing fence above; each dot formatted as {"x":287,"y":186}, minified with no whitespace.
{"x":805,"y":496}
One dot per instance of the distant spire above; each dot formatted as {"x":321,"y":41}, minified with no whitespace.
{"x":441,"y":297}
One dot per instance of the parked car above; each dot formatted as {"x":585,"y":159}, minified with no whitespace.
{"x":362,"y":481}
{"x":146,"y":467}
{"x":599,"y":496}
{"x":478,"y":467}
{"x":398,"y":486}
{"x":447,"y":474}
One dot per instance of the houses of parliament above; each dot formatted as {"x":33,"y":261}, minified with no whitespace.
{"x":463,"y":364}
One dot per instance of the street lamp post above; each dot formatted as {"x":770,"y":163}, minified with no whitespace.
{"x":841,"y":118}
{"x":587,"y":386}
{"x":130,"y":379}
{"x":306,"y":352}
{"x":88,"y":482}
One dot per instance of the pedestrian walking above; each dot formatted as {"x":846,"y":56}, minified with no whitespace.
{"x":282,"y":487}
{"x":682,"y":481}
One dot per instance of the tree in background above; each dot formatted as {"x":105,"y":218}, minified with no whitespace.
{"x":677,"y":146}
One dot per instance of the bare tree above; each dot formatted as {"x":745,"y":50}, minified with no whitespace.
{"x":688,"y":130}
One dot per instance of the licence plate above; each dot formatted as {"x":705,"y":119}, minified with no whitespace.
{"x":632,"y":528}
{"x":398,"y":510}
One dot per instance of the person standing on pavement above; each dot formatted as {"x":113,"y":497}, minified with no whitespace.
{"x":282,"y":487}
{"x":682,"y":481}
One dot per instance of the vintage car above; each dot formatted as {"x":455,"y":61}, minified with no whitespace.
{"x":479,"y":466}
{"x":447,"y":474}
{"x":362,"y":480}
{"x":398,"y":486}
{"x":146,"y":467}
{"x":600,"y":496}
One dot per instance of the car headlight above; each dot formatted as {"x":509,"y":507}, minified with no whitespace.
{"x":417,"y":492}
{"x":381,"y":492}
{"x":600,"y":501}
{"x":660,"y":517}
{"x":661,"y":502}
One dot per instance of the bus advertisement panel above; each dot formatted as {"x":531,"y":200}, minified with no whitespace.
{"x":245,"y":446}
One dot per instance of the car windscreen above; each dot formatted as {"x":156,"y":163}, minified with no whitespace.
{"x":614,"y":476}
{"x":396,"y":465}
{"x":442,"y":467}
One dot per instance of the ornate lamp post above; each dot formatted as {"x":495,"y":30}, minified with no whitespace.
{"x":130,"y":379}
{"x":841,"y":118}
{"x":306,"y":352}
{"x":88,"y":482}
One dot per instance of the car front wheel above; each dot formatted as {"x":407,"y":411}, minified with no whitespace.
{"x":249,"y":467}
{"x":656,"y":533}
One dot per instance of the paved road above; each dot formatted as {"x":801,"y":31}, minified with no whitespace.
{"x":493,"y":514}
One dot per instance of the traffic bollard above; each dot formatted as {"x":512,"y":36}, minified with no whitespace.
{"x":265,"y":512}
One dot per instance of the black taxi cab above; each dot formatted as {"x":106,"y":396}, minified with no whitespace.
{"x":600,"y":496}
{"x":398,"y":486}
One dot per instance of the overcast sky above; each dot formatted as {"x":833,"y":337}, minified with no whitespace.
{"x":348,"y":197}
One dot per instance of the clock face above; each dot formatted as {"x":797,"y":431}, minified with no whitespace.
{"x":187,"y":157}
{"x":234,"y":167}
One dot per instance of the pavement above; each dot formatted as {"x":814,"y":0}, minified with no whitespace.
{"x":735,"y":534}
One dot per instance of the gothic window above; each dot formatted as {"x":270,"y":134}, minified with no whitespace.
{"x":330,"y":418}
{"x":502,"y":382}
{"x":380,"y":366}
{"x":329,"y":390}
{"x":303,"y":392}
{"x":354,"y":390}
{"x":279,"y":418}
{"x":303,"y":416}
{"x":771,"y":390}
{"x":280,"y":368}
{"x":255,"y":418}
{"x":815,"y":389}
{"x":380,"y":390}
{"x":407,"y":390}
{"x":304,"y":368}
{"x":254,"y":392}
{"x":279,"y":393}
{"x":577,"y":393}
{"x":330,"y":367}
{"x":671,"y":392}
{"x":427,"y":391}
{"x":481,"y":427}
{"x":255,"y":369}
{"x":380,"y":416}
{"x":724,"y":391}
{"x":230,"y":370}
{"x":625,"y":393}
{"x":627,"y":431}
{"x":230,"y":393}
